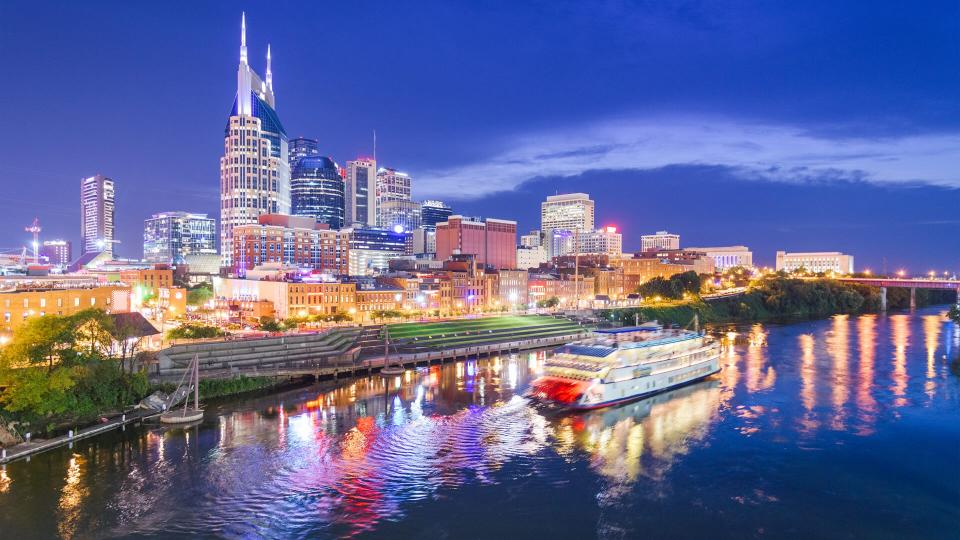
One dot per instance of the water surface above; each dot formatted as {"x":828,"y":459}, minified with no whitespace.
{"x":843,"y":428}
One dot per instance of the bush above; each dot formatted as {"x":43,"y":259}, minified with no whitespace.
{"x":195,"y":331}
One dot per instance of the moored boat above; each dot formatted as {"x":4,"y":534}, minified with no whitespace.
{"x":623,"y":364}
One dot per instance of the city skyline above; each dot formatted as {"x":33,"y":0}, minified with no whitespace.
{"x":754,"y":190}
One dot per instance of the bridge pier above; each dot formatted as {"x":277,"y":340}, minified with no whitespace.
{"x":913,"y":298}
{"x":883,"y":299}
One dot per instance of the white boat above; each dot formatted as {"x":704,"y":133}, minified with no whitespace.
{"x":187,"y":414}
{"x":623,"y":364}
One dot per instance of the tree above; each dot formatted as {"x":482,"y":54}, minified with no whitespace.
{"x":199,"y":295}
{"x":195,"y":331}
{"x":269,"y":324}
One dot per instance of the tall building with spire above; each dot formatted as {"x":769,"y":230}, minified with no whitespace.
{"x":254,"y":169}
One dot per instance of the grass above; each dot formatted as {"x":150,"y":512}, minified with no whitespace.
{"x":460,"y":326}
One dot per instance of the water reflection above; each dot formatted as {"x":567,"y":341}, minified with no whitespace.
{"x":340,"y":460}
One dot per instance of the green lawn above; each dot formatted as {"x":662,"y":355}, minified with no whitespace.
{"x":449,"y":328}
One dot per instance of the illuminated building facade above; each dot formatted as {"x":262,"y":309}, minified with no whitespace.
{"x":169,"y":237}
{"x":660,"y":240}
{"x":316,"y":190}
{"x":254,"y":169}
{"x":96,"y":214}
{"x":392,"y":185}
{"x":492,"y":241}
{"x":361,"y":193}
{"x":725,"y":257}
{"x":815,"y":262}
{"x":57,"y":252}
{"x":290,"y":240}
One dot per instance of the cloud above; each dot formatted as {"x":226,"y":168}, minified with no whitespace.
{"x":756,"y":151}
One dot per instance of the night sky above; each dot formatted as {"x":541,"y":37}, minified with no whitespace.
{"x":780,"y":125}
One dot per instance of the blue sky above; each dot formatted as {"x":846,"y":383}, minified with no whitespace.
{"x":779,"y":125}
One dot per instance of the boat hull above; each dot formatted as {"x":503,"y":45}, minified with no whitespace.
{"x":634,"y":397}
{"x":181,"y":417}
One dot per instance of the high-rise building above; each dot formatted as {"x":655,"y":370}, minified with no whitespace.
{"x":661,"y":240}
{"x":96,"y":214}
{"x":433,"y":212}
{"x":392,"y":185}
{"x":492,"y":242}
{"x":316,"y":190}
{"x":168,"y":237}
{"x":361,"y":193}
{"x":254,"y":169}
{"x":400,"y":215}
{"x":302,"y":147}
{"x":572,"y":212}
{"x":57,"y":252}
{"x":424,"y":241}
{"x":605,"y":241}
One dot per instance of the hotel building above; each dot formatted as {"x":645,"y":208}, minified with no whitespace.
{"x":254,"y":170}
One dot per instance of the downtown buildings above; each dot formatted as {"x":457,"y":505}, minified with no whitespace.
{"x":96,"y":215}
{"x":360,"y":193}
{"x":317,"y":191}
{"x":254,"y":169}
{"x":492,"y":241}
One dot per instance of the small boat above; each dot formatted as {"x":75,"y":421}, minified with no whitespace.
{"x":187,"y":414}
{"x":389,"y":370}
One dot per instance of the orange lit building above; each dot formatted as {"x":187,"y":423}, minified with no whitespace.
{"x":292,"y":240}
{"x":19,"y":305}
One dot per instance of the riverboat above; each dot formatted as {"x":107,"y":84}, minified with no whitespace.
{"x":624,"y":364}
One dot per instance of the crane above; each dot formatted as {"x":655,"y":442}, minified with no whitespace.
{"x":35,"y":229}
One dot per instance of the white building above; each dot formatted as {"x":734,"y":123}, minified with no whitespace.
{"x":659,"y":241}
{"x":168,"y":237}
{"x":392,"y":185}
{"x":571,"y":211}
{"x":360,"y":193}
{"x":816,"y":262}
{"x":725,"y":257}
{"x":532,"y":239}
{"x":605,"y":241}
{"x":531,"y":257}
{"x":424,"y":241}
{"x":96,"y":214}
{"x":254,"y":169}
{"x":400,"y":215}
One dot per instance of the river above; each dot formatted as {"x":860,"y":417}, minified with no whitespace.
{"x":841,"y":428}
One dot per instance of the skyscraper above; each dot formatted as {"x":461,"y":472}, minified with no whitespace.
{"x":96,"y":214}
{"x":360,"y":192}
{"x":169,"y":237}
{"x":302,"y":147}
{"x":392,"y":185}
{"x":571,"y":212}
{"x":400,"y":215}
{"x":254,"y":169}
{"x":316,"y":190}
{"x":433,"y":212}
{"x":57,"y":252}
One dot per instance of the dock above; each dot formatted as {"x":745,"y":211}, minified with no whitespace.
{"x":35,"y":446}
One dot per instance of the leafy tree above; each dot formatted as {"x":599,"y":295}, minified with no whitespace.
{"x":551,"y":302}
{"x":199,"y":295}
{"x":269,"y":324}
{"x":195,"y":331}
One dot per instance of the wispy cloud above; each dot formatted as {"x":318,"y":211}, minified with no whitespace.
{"x":756,"y":151}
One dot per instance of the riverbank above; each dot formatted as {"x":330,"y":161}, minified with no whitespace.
{"x":779,"y":301}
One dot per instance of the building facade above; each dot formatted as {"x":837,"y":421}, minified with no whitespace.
{"x":531,"y":257}
{"x":371,"y":249}
{"x":433,"y":212}
{"x":302,"y":147}
{"x":392,"y":185}
{"x":815,"y":262}
{"x":570,"y":211}
{"x":169,"y":237}
{"x":96,"y":214}
{"x":605,"y":241}
{"x":254,"y":169}
{"x":317,"y":191}
{"x":725,"y":257}
{"x":23,"y":303}
{"x":290,"y":240}
{"x":400,"y":215}
{"x":492,"y":241}
{"x":361,"y":193}
{"x":57,"y":252}
{"x":658,"y":241}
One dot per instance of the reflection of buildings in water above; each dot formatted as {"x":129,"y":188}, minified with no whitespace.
{"x":867,"y":346}
{"x":71,"y":497}
{"x":900,"y":337}
{"x":660,"y":427}
{"x":808,"y":379}
{"x":4,"y":479}
{"x":838,"y":347}
{"x":931,"y":338}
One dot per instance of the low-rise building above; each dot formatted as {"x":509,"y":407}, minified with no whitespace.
{"x":815,"y":262}
{"x":531,"y":257}
{"x":697,"y":261}
{"x":725,"y":257}
{"x":294,"y":240}
{"x":660,"y":240}
{"x":25,"y":300}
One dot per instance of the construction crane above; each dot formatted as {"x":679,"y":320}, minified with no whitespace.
{"x":35,"y":229}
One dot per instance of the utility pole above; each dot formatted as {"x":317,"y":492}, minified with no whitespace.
{"x":35,"y":229}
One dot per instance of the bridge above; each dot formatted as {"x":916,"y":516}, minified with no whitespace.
{"x":906,"y":283}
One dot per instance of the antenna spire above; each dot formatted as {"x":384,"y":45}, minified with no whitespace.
{"x":374,"y":145}
{"x":269,"y":71}
{"x":243,"y":38}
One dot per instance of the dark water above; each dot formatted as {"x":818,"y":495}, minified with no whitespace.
{"x":844,"y":428}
